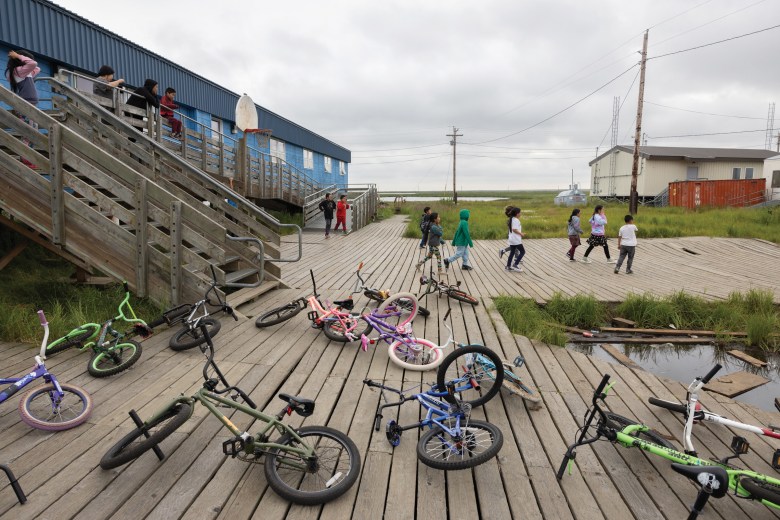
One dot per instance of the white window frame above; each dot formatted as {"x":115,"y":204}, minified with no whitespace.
{"x":308,"y":159}
{"x":216,"y":126}
{"x":749,"y":173}
{"x":735,"y":173}
{"x":342,"y":168}
{"x":328,"y":165}
{"x":277,"y":149}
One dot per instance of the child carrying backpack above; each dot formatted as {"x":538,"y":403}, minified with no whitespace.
{"x":425,"y":226}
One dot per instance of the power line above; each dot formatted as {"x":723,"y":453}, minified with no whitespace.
{"x":404,"y":160}
{"x":528,"y":149}
{"x":621,"y":106}
{"x":715,"y":43}
{"x":701,"y":135}
{"x":704,"y":113}
{"x":398,"y":149}
{"x":525,"y":158}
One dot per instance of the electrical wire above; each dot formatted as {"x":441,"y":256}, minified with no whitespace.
{"x":703,"y":113}
{"x":402,"y":161}
{"x":714,"y":43}
{"x":701,"y":135}
{"x":398,"y":149}
{"x":619,"y":108}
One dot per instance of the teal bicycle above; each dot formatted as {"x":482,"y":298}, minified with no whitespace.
{"x":715,"y":477}
{"x":112,"y":350}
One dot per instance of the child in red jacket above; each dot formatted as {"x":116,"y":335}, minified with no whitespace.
{"x":341,"y":213}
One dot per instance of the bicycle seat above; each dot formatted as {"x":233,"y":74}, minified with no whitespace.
{"x":303,"y":407}
{"x":713,"y":479}
{"x":348,"y":304}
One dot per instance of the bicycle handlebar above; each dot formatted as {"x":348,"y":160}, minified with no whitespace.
{"x":45,"y":325}
{"x":600,"y":389}
{"x":369,"y":382}
{"x":711,"y":373}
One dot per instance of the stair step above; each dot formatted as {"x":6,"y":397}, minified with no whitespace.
{"x":251,"y":293}
{"x":239,"y":275}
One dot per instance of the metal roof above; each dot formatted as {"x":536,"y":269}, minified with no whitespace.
{"x":74,"y":42}
{"x":693,"y":154}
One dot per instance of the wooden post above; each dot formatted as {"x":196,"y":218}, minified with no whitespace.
{"x":176,"y":252}
{"x":158,"y":128}
{"x":633,"y":200}
{"x":221,"y":157}
{"x":141,"y":238}
{"x":57,"y":193}
{"x":204,"y":151}
{"x":243,"y":163}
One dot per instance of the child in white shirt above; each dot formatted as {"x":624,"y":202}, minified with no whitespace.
{"x":626,"y":244}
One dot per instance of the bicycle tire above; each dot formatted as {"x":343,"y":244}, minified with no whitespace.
{"x":74,"y":408}
{"x":452,"y":370}
{"x":761,"y":490}
{"x":75,"y":337}
{"x":188,"y":338}
{"x":334,"y":330}
{"x":373,"y":294}
{"x":422,"y":311}
{"x":279,"y":314}
{"x":300,"y":489}
{"x":405,"y":303}
{"x":516,"y":385}
{"x":435,"y":448}
{"x":653,"y":436}
{"x":419,"y":355}
{"x":674,"y":407}
{"x":457,"y":294}
{"x":115,"y":360}
{"x":159,"y":429}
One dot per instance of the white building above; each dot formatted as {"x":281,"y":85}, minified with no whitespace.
{"x":772,"y":175}
{"x":610,"y":172}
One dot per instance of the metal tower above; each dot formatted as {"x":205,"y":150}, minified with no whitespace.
{"x":770,"y":127}
{"x":612,"y":189}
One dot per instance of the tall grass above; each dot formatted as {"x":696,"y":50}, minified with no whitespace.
{"x":541,"y":219}
{"x":752,"y":312}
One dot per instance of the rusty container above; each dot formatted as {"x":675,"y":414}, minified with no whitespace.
{"x":721,"y":193}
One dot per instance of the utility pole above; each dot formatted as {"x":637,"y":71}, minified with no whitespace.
{"x":454,"y":144}
{"x":633,"y":201}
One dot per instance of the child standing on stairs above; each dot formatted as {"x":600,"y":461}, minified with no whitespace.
{"x":435,"y":232}
{"x":20,"y":72}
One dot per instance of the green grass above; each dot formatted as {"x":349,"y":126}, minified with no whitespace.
{"x":752,"y":312}
{"x":36,"y":279}
{"x":541,"y":219}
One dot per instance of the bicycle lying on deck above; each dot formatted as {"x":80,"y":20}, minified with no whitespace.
{"x":716,"y":478}
{"x":308,"y":465}
{"x":432,"y":285}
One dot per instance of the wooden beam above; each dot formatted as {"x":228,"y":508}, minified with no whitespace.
{"x":732,"y":385}
{"x":676,"y":340}
{"x":176,"y":252}
{"x":35,"y":237}
{"x":57,"y":184}
{"x":747,"y":358}
{"x":622,"y":358}
{"x":13,"y":253}
{"x":141,"y":238}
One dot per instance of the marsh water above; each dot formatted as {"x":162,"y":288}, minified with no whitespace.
{"x":683,"y":362}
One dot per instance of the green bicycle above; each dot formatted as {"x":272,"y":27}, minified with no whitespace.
{"x":716,"y":478}
{"x":112,"y":351}
{"x":309,"y":465}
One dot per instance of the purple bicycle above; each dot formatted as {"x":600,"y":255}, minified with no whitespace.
{"x":53,"y":406}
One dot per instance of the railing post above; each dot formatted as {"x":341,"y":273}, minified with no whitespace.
{"x":141,"y":237}
{"x":221,"y":157}
{"x":176,"y":252}
{"x":150,"y":121}
{"x":243,"y":163}
{"x":57,"y":192}
{"x":158,"y":128}
{"x":204,"y":151}
{"x":116,"y":102}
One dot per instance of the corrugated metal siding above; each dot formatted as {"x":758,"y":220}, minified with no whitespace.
{"x":49,"y":30}
{"x":695,"y":194}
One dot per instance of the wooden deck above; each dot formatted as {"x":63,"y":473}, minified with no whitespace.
{"x":61,"y":476}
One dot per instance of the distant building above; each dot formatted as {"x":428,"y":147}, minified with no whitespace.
{"x":571,"y":197}
{"x":610,"y":172}
{"x":60,"y":39}
{"x":772,"y":175}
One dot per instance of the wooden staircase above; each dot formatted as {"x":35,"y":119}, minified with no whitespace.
{"x":109,"y":199}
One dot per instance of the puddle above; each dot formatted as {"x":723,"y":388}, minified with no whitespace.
{"x":684,"y":362}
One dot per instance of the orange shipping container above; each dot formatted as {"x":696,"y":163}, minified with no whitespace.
{"x":696,"y":194}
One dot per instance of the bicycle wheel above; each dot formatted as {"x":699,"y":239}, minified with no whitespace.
{"x":479,"y":442}
{"x":309,"y":482}
{"x":761,"y":490}
{"x":75,"y":337}
{"x":403,"y":303}
{"x":188,"y":337}
{"x":675,"y":407}
{"x":517,"y":386}
{"x":136,"y":443}
{"x":39,"y":408}
{"x":373,"y":294}
{"x":468,"y":372}
{"x":619,"y":422}
{"x":279,"y":314}
{"x":336,"y":330}
{"x":457,"y":294}
{"x":117,"y":358}
{"x":418,"y":354}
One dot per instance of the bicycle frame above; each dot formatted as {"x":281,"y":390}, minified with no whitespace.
{"x":433,"y":285}
{"x":625,"y":439}
{"x":103,"y":345}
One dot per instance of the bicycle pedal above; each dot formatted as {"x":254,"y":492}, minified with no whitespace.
{"x":776,"y":459}
{"x":739,"y":445}
{"x":519,"y":361}
{"x":233,"y":447}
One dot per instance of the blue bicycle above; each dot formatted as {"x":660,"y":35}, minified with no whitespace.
{"x":453,"y":440}
{"x":53,"y":406}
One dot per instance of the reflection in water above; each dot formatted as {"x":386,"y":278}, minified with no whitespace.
{"x":684,"y":362}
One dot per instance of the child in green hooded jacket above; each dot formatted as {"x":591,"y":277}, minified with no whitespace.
{"x":462,"y":242}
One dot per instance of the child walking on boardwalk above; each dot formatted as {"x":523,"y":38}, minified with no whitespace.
{"x":462,"y":242}
{"x":341,"y":213}
{"x":597,"y":235}
{"x":626,"y":244}
{"x":503,"y":250}
{"x":515,"y":241}
{"x":574,"y":231}
{"x":434,"y":241}
{"x":425,"y":224}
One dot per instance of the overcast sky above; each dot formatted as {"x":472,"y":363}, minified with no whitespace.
{"x":388,"y":80}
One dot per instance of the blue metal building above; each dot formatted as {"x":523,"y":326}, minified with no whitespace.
{"x":60,"y":39}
